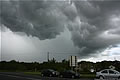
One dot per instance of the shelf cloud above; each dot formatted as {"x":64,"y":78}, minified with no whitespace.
{"x":94,"y":25}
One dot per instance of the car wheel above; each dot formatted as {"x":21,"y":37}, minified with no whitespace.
{"x":50,"y":75}
{"x":42,"y":75}
{"x":61,"y":76}
{"x":119,"y":77}
{"x":73,"y":76}
{"x":101,"y":77}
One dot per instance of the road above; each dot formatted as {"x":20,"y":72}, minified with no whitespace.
{"x":12,"y":77}
{"x":21,"y":76}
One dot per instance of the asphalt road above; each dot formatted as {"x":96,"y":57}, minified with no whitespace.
{"x":12,"y":77}
{"x":20,"y":76}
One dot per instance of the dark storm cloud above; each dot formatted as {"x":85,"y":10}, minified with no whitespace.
{"x":37,"y":18}
{"x":94,"y":25}
{"x":98,"y":27}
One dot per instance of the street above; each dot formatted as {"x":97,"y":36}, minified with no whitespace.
{"x":19,"y":76}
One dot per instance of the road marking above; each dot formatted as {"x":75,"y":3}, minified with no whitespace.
{"x":21,"y":77}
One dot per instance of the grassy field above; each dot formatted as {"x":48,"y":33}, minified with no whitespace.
{"x":85,"y":75}
{"x":33,"y":73}
{"x":82,"y":75}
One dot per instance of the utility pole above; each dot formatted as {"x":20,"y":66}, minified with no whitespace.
{"x":48,"y":56}
{"x":114,"y":58}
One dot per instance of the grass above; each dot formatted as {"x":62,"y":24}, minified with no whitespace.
{"x":83,"y":75}
{"x":33,"y":73}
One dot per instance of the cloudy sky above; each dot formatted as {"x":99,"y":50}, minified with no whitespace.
{"x":88,"y":29}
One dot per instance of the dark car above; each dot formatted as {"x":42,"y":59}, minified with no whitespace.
{"x":49,"y":73}
{"x":69,"y":74}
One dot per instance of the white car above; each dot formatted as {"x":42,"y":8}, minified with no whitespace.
{"x":108,"y":74}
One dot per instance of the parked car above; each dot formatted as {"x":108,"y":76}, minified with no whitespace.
{"x":49,"y":73}
{"x":108,"y":73}
{"x":69,"y":74}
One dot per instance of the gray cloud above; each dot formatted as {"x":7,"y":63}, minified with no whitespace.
{"x":98,"y":27}
{"x":37,"y":18}
{"x":94,"y":25}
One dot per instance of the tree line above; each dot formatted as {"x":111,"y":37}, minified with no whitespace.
{"x":84,"y":66}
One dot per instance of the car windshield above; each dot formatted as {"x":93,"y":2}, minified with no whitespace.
{"x":51,"y":70}
{"x":114,"y":71}
{"x":104,"y":71}
{"x":117,"y":72}
{"x":71,"y":71}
